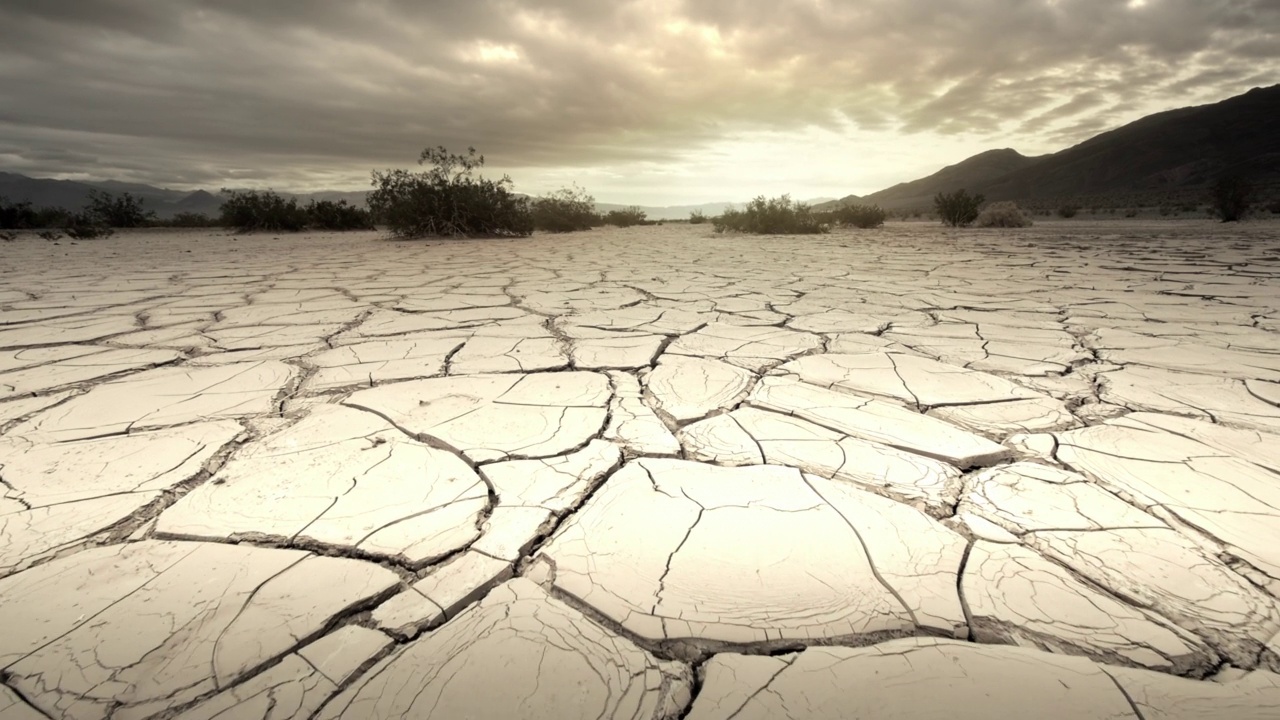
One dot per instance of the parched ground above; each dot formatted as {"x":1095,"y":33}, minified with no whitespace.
{"x":646,"y":473}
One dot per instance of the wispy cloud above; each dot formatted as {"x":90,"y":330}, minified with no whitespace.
{"x":316,"y":92}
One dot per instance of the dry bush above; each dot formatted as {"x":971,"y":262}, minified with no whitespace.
{"x":627,"y":217}
{"x":1003,"y":215}
{"x":251,"y":210}
{"x":1069,"y":211}
{"x":774,"y":216}
{"x":448,"y":200}
{"x":957,"y":209}
{"x":565,"y":210}
{"x":1231,"y":198}
{"x":859,"y":216}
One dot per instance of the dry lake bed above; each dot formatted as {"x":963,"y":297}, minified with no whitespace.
{"x":643,"y":473}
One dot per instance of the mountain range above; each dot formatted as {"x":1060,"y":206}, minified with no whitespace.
{"x":1171,"y":156}
{"x":1165,"y":157}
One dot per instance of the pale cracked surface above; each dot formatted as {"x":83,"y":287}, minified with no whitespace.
{"x":643,"y":473}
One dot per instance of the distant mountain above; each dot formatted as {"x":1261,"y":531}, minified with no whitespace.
{"x":1177,"y":153}
{"x":981,"y":168}
{"x":671,"y":212}
{"x":74,"y":195}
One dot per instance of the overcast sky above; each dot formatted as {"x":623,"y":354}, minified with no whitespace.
{"x":653,"y":101}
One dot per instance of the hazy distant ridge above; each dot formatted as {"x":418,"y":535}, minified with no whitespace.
{"x":1177,"y":150}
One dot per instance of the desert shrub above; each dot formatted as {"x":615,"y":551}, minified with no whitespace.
{"x":1069,"y":211}
{"x":565,"y":210}
{"x":52,"y":217}
{"x":859,"y":216}
{"x":111,"y":211}
{"x":773,"y":216}
{"x":340,"y":215}
{"x":17,"y":215}
{"x":190,"y":220}
{"x":957,"y":209}
{"x":49,"y":235}
{"x":1274,"y":207}
{"x":1231,"y":197}
{"x":1129,"y":212}
{"x":448,"y":199}
{"x":87,"y":225}
{"x":8,"y":236}
{"x":251,"y":210}
{"x":1002,"y":215}
{"x":697,"y":217}
{"x":626,"y":217}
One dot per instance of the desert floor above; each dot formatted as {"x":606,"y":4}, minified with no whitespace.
{"x":643,"y":473}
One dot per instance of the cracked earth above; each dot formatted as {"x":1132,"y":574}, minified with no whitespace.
{"x":643,"y":473}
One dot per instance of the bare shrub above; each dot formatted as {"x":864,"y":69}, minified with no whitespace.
{"x":253,"y":210}
{"x":565,"y":210}
{"x":448,"y":200}
{"x":957,"y":209}
{"x":1069,"y":211}
{"x":626,"y":217}
{"x":124,"y":211}
{"x":1231,"y":197}
{"x":1003,"y":215}
{"x":773,"y":216}
{"x":340,"y":215}
{"x":697,"y":217}
{"x":859,"y":216}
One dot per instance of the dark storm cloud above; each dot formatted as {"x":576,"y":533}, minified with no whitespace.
{"x":192,"y":92}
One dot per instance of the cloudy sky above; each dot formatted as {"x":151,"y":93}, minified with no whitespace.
{"x":650,"y":101}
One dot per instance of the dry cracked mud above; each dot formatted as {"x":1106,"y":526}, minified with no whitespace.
{"x":645,"y":473}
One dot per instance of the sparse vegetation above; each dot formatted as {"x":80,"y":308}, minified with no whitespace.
{"x":1231,"y":198}
{"x":448,"y":200}
{"x":1069,"y":211}
{"x":1274,"y":207}
{"x":125,"y":211}
{"x":565,"y":210}
{"x":957,"y":209}
{"x":340,"y":215}
{"x":17,"y":215}
{"x":190,"y":220}
{"x":49,"y":235}
{"x":87,"y":226}
{"x":773,"y":216}
{"x":253,"y":210}
{"x":626,"y":217}
{"x":1002,"y":215}
{"x":859,"y":216}
{"x":697,"y":217}
{"x":8,"y":236}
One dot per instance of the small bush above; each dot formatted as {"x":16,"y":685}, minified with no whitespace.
{"x":87,"y":225}
{"x":1130,"y":212}
{"x":110,"y":211}
{"x":859,"y":216}
{"x":190,"y":220}
{"x":626,"y":217}
{"x":1274,"y":207}
{"x":774,"y":216}
{"x":251,"y":210}
{"x":49,"y":235}
{"x":1002,"y":215}
{"x":52,"y":217}
{"x":1231,"y":197}
{"x":1069,"y":211}
{"x":447,"y":200}
{"x":565,"y":210}
{"x":957,"y":209}
{"x":340,"y":215}
{"x":697,"y":217}
{"x":8,"y":236}
{"x":17,"y":216}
